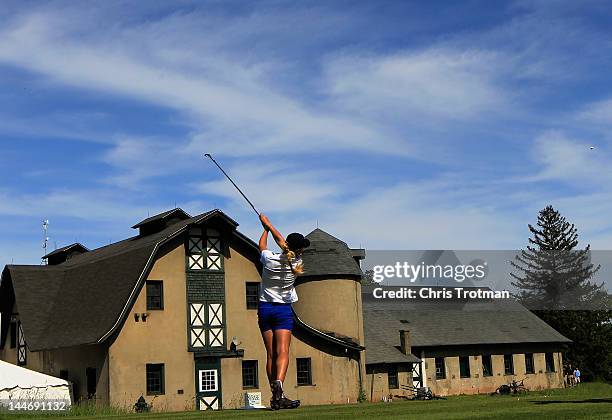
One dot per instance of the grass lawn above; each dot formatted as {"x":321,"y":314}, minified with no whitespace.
{"x":587,"y":401}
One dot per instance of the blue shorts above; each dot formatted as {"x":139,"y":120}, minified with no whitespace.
{"x":275,"y":316}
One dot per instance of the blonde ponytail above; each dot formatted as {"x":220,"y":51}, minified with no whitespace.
{"x":299,"y":268}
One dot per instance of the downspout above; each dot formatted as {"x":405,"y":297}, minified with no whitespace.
{"x":360,"y":329}
{"x":361,"y":390}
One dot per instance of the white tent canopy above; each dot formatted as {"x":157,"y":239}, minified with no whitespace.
{"x":18,"y":383}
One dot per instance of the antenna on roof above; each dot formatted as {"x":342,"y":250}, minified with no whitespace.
{"x":317,"y":223}
{"x":45,"y":225}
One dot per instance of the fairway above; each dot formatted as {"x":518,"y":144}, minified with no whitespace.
{"x":588,"y":401}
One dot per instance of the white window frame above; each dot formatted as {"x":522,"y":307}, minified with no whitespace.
{"x":216,"y":376}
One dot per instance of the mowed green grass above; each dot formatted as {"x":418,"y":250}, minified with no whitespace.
{"x":587,"y":401}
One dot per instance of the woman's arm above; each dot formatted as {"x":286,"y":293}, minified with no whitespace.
{"x":280,"y":240}
{"x":263,"y":241}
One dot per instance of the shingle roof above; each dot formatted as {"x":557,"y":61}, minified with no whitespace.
{"x":454,"y":323}
{"x":83,"y":299}
{"x":383,"y":344}
{"x":76,"y":246}
{"x":328,"y":256}
{"x":177,"y":212}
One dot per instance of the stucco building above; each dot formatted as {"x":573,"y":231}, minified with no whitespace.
{"x":170,"y":314}
{"x":457,"y":347}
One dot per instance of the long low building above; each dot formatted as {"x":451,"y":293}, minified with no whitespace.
{"x":457,"y":347}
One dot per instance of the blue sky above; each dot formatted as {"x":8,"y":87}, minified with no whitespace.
{"x":392,"y":125}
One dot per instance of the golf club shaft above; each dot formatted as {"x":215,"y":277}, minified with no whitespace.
{"x":233,"y":183}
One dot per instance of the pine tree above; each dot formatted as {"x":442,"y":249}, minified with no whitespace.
{"x":552,"y":274}
{"x":554,"y":281}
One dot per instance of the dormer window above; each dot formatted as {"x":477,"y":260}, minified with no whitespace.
{"x":65,"y":253}
{"x":161,"y":221}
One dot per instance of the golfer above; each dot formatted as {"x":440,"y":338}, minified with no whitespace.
{"x":274,"y":310}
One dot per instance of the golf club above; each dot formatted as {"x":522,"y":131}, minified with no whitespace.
{"x":230,"y":180}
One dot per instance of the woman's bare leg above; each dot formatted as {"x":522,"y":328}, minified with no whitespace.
{"x":282,"y":340}
{"x":268,"y":338}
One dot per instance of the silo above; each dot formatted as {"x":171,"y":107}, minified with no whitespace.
{"x":329,"y":291}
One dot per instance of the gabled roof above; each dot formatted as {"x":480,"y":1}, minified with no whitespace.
{"x":72,"y":247}
{"x":85,"y":299}
{"x":467,"y":322}
{"x":177,"y":212}
{"x":328,"y":256}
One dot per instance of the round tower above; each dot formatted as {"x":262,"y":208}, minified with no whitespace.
{"x":329,"y":290}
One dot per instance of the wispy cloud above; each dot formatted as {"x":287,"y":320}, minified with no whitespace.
{"x":598,"y":113}
{"x":413,"y":135}
{"x":280,"y":187}
{"x":573,"y":161}
{"x":255,"y":114}
{"x":435,"y":84}
{"x":100,"y":205}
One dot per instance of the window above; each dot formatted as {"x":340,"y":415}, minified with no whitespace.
{"x":464,"y":366}
{"x":155,"y":379}
{"x":440,"y":368}
{"x":214,"y":258}
{"x":252,"y":295}
{"x":208,"y":380}
{"x":155,"y":294}
{"x":487,"y":365}
{"x":22,"y":353}
{"x":204,"y":251}
{"x":392,"y":377}
{"x":529,"y":363}
{"x":508,"y":364}
{"x":13,"y":334}
{"x":304,"y":371}
{"x":550,"y":362}
{"x":90,"y":374}
{"x":249,"y":374}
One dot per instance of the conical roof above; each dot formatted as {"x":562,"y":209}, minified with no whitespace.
{"x":328,"y":256}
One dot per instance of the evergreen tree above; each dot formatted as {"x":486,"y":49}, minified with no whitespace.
{"x":552,"y":274}
{"x":553,"y":278}
{"x":368,"y":278}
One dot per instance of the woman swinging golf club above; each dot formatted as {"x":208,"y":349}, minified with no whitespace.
{"x":274,"y":311}
{"x":277,"y":294}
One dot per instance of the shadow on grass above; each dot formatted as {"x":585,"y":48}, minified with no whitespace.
{"x":590,"y":400}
